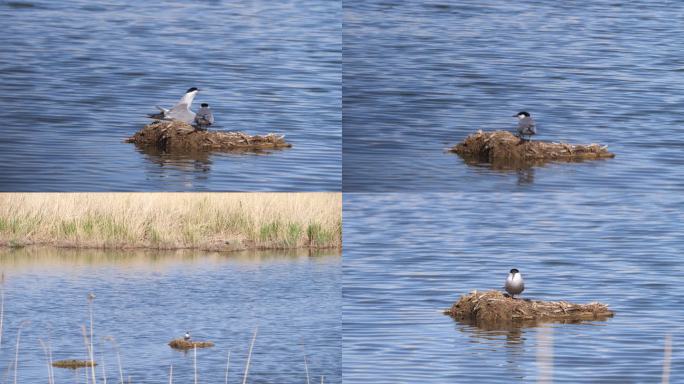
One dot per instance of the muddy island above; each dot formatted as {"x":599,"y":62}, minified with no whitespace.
{"x":188,"y":344}
{"x":494,"y":308}
{"x":504,"y":150}
{"x":73,"y":364}
{"x":177,"y":136}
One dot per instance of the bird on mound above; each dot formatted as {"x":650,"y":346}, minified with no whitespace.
{"x":181,"y":111}
{"x":526,"y":126}
{"x":514,"y":283}
{"x":187,"y":336}
{"x":204,"y":117}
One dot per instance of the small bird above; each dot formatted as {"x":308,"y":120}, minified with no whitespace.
{"x":526,"y":126}
{"x":187,"y":336}
{"x":204,"y":117}
{"x":514,"y":283}
{"x":181,"y":111}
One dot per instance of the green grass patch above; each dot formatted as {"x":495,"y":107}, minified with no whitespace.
{"x":318,"y":236}
{"x":68,"y":228}
{"x":112,"y":230}
{"x":269,"y":232}
{"x":88,"y":226}
{"x":294,"y":233}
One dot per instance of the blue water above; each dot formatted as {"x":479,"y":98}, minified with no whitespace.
{"x":419,"y":76}
{"x":78,"y":77}
{"x":146,"y":299}
{"x":407,"y":257}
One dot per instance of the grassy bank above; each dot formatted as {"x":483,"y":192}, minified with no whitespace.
{"x":216,"y":221}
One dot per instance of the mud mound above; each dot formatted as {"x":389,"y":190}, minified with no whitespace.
{"x":73,"y":364}
{"x":502,"y":149}
{"x":176,"y":136}
{"x":493,"y":307}
{"x":183,"y":344}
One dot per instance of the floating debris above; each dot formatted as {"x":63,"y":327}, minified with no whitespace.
{"x":177,"y":136}
{"x":504,"y":150}
{"x":493,"y":308}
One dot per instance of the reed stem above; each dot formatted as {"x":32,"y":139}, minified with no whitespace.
{"x":195,"y":362}
{"x":91,"y":351}
{"x":227,"y":366}
{"x":249,"y":356}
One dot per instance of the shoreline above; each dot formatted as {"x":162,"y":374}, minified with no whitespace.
{"x":4,"y":245}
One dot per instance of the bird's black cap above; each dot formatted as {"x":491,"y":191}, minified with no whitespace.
{"x":514,"y":271}
{"x":522,"y":113}
{"x":204,"y":105}
{"x":192,"y":90}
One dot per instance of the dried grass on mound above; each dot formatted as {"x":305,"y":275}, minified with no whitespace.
{"x":176,"y":136}
{"x":183,"y":344}
{"x":493,"y":307}
{"x":73,"y":364}
{"x":501,"y":148}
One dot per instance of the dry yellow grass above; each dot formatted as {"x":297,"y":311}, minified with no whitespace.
{"x":172,"y":220}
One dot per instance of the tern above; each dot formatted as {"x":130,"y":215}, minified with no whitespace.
{"x":526,"y":126}
{"x":187,"y":336}
{"x":514,"y":283}
{"x":181,"y":111}
{"x":204,"y":117}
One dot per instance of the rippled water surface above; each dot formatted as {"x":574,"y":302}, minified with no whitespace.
{"x":78,"y":77}
{"x":144,"y":300}
{"x":419,"y":76}
{"x":408,"y":257}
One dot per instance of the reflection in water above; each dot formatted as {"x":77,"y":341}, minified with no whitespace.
{"x":514,"y":342}
{"x":515,"y":348}
{"x":190,"y":161}
{"x":515,"y":352}
{"x":191,"y":168}
{"x":17,"y":259}
{"x":545,"y":355}
{"x":525,"y":176}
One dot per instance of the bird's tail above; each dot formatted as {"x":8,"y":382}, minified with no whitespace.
{"x":157,"y":116}
{"x":160,"y":115}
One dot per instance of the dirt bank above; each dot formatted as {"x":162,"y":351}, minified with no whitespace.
{"x":502,"y":149}
{"x":494,"y":308}
{"x":217,"y":246}
{"x":176,"y":136}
